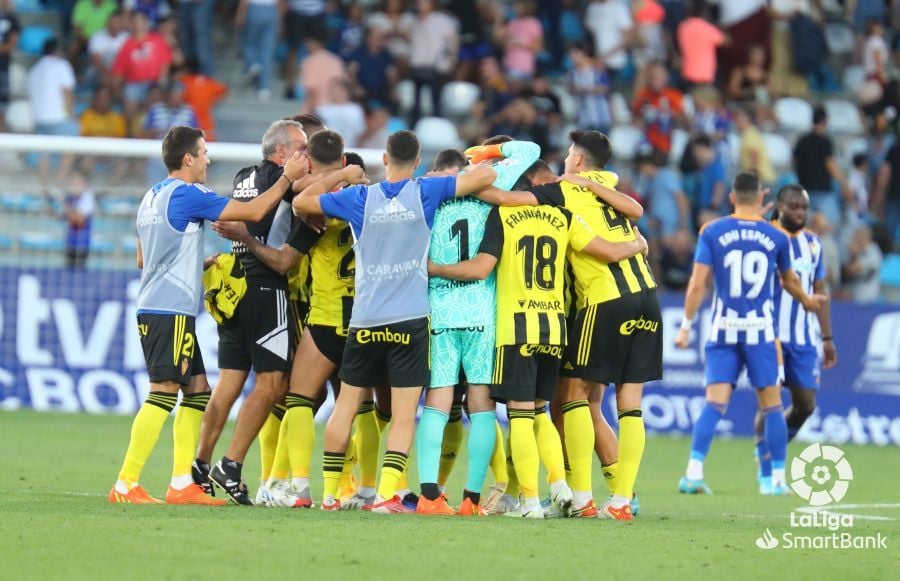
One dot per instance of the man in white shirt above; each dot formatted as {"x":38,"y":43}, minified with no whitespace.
{"x":105,"y":44}
{"x":342,"y":114}
{"x":51,"y":84}
{"x":610,"y":22}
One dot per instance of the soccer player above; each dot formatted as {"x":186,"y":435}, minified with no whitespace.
{"x":798,"y":332}
{"x":529,"y":247}
{"x":389,"y":335}
{"x":742,"y":252}
{"x":170,"y":224}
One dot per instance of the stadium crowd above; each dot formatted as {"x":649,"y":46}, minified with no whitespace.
{"x":691,"y":92}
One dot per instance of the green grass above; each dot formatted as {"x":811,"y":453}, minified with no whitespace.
{"x":55,"y":523}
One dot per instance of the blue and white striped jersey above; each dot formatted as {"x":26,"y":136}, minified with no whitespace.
{"x":795,"y":325}
{"x":745,"y":254}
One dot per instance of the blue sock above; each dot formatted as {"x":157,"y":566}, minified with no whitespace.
{"x":705,"y":429}
{"x":763,"y":456}
{"x":776,"y":434}
{"x":482,"y":437}
{"x":428,"y":443}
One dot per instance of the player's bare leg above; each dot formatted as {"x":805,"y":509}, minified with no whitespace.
{"x":606,"y":446}
{"x":337,"y":437}
{"x":228,"y":389}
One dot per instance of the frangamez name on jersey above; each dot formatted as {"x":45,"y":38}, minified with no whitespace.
{"x":466,"y":329}
{"x":747,"y":234}
{"x":532,"y":304}
{"x":527,"y":213}
{"x":442,"y":284}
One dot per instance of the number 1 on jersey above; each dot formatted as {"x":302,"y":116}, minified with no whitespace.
{"x":460,"y":229}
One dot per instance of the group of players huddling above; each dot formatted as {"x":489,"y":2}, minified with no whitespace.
{"x":489,"y":280}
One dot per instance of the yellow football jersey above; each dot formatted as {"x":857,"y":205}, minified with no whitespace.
{"x":332,"y":269}
{"x":531,"y":244}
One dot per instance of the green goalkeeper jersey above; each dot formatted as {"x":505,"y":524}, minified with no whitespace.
{"x":456,"y":236}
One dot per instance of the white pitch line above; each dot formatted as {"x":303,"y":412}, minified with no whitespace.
{"x":838,"y":509}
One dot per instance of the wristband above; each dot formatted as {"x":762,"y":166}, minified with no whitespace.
{"x":828,"y":338}
{"x":290,"y":181}
{"x":687,"y":324}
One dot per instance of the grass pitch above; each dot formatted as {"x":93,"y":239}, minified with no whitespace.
{"x":55,"y":522}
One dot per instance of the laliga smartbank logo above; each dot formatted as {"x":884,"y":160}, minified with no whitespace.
{"x":820,"y":475}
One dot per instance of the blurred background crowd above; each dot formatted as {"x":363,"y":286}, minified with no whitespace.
{"x":690,"y":92}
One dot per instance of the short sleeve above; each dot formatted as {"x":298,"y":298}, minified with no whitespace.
{"x":783,"y":254}
{"x":347,"y":204}
{"x":549,"y":194}
{"x":580,"y":234}
{"x":492,"y":242}
{"x":820,"y":265}
{"x":194,"y":203}
{"x":434,"y":191}
{"x":704,"y":254}
{"x":302,"y":238}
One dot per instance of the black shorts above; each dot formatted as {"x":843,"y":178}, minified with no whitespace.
{"x":298,"y":27}
{"x":170,"y":347}
{"x":395,"y":354}
{"x":328,"y":342}
{"x":619,"y":341}
{"x":525,"y":372}
{"x":260,"y":334}
{"x":299,"y":314}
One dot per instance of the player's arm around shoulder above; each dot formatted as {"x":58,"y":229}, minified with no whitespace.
{"x":309,"y":200}
{"x":475,"y":180}
{"x":256,"y":209}
{"x":622,"y":203}
{"x":479,"y":267}
{"x":584,"y":239}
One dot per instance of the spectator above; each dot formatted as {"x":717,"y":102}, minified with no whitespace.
{"x":202,"y":93}
{"x":170,"y":112}
{"x":712,"y":119}
{"x":168,"y":29}
{"x":523,"y":39}
{"x":343,"y":115}
{"x":649,"y":15}
{"x":571,"y":24}
{"x":546,"y":105}
{"x":878,"y":141}
{"x":88,"y":18}
{"x":785,"y":80}
{"x":397,"y":25}
{"x":745,"y":23}
{"x":258,"y":19}
{"x":143,"y":61}
{"x":352,"y":33}
{"x":668,"y":210}
{"x":831,"y":255}
{"x":474,"y":42}
{"x":749,"y":85}
{"x":658,"y":108}
{"x":373,"y":69}
{"x":753,"y":155}
{"x":875,"y":62}
{"x":78,"y":209}
{"x":320,"y":70}
{"x":51,"y":86}
{"x":858,"y":182}
{"x":433,"y":49}
{"x":154,"y":10}
{"x":609,"y":21}
{"x":195,"y":27}
{"x":9,"y":40}
{"x":99,"y":119}
{"x":816,"y":167}
{"x":376,"y":133}
{"x":862,"y":271}
{"x":676,"y":259}
{"x":697,"y":42}
{"x":886,"y":201}
{"x":303,"y":20}
{"x":712,"y":187}
{"x":589,"y":83}
{"x":136,"y":123}
{"x":104,"y":45}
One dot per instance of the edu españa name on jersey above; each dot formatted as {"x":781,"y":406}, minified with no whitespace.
{"x":386,"y":336}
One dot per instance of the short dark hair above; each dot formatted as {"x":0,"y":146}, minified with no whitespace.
{"x":860,"y":159}
{"x":353,"y":158}
{"x":180,"y":140}
{"x":784,"y":193}
{"x":536,"y":168}
{"x":746,"y":187}
{"x":595,"y":144}
{"x":326,"y":146}
{"x":403,"y":147}
{"x":311,"y":123}
{"x":449,"y":159}
{"x":702,"y":141}
{"x":497,"y":140}
{"x":51,"y":45}
{"x":819,"y":115}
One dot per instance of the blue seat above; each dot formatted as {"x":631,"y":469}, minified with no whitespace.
{"x":129,"y":245}
{"x":102,"y":245}
{"x":21,"y":202}
{"x":32,"y":39}
{"x":5,"y":242}
{"x":890,"y":270}
{"x":40,"y":241}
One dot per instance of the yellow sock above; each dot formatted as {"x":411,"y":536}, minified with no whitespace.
{"x":332,"y":466}
{"x":498,"y":460}
{"x":392,"y":469}
{"x":301,"y":434}
{"x":579,"y":430}
{"x":281,"y":466}
{"x":549,"y":446}
{"x":512,"y":484}
{"x":450,"y":445}
{"x":368,"y":444}
{"x":268,"y":441}
{"x":402,"y":480}
{"x":524,"y":450}
{"x":145,"y":429}
{"x":347,"y":486}
{"x":186,"y":431}
{"x":631,"y":450}
{"x":611,"y":474}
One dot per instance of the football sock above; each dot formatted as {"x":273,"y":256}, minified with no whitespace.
{"x":301,"y":434}
{"x":549,"y":446}
{"x":631,"y":450}
{"x":579,"y":431}
{"x":368,"y":444}
{"x":281,"y":465}
{"x":512,"y":484}
{"x":498,"y":455}
{"x":268,"y":442}
{"x":611,"y":474}
{"x":704,"y":430}
{"x":776,"y":436}
{"x":428,"y":445}
{"x":392,"y":469}
{"x":186,"y":435}
{"x":763,"y":456}
{"x":332,"y":467}
{"x":482,"y":435}
{"x":524,"y":449}
{"x":450,"y":445}
{"x":145,"y":429}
